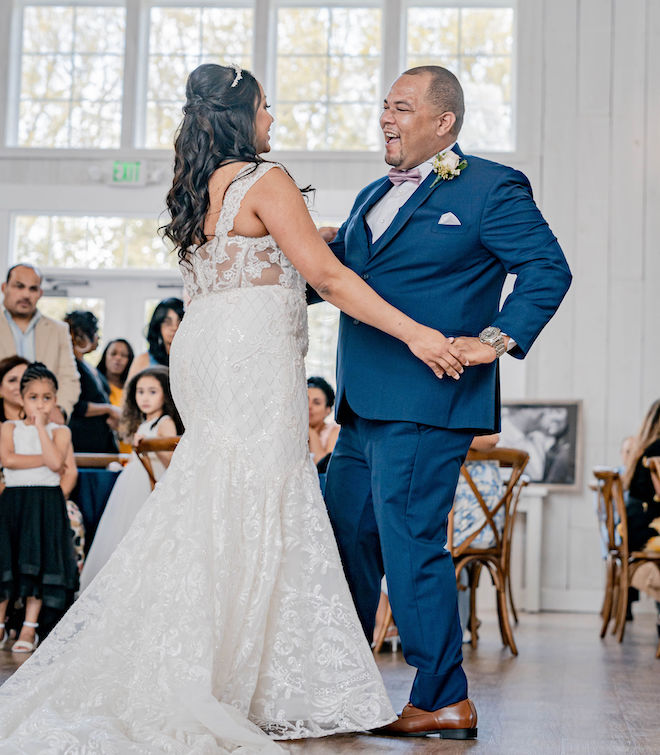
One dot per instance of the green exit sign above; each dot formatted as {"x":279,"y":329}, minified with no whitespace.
{"x":128,"y":173}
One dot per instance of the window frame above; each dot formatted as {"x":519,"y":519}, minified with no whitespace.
{"x":480,"y":4}
{"x":271,"y":77}
{"x":15,"y":70}
{"x":139,"y":103}
{"x":525,"y":93}
{"x":102,"y":272}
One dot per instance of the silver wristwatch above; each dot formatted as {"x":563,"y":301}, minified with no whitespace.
{"x":493,"y":337}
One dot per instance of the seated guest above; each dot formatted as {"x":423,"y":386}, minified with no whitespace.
{"x":162,"y":328}
{"x":114,"y":364}
{"x":323,"y":432}
{"x":30,"y":334}
{"x":94,"y":417}
{"x":37,"y":562}
{"x":11,"y":372}
{"x":642,"y":484}
{"x":643,"y":500}
{"x":149,"y":412}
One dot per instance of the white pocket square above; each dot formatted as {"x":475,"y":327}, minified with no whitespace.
{"x":448,"y":218}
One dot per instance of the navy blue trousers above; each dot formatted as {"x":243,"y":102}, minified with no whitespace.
{"x":389,"y":490}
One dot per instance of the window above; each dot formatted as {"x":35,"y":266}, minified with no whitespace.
{"x":328,"y":78}
{"x":179,"y":40}
{"x":90,"y":242}
{"x":72,"y":66}
{"x":477,"y":45}
{"x":323,"y":331}
{"x":325,"y":67}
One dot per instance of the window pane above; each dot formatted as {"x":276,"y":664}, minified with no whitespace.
{"x":72,"y":66}
{"x":91,"y":242}
{"x":180,"y":39}
{"x":477,"y":44}
{"x":44,"y":123}
{"x":328,"y":78}
{"x":323,"y":327}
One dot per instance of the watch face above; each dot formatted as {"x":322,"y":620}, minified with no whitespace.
{"x":489,"y":333}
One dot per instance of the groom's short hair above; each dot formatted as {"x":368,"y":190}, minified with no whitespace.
{"x":445,"y":92}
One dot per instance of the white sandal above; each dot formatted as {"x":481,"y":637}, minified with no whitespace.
{"x":23,"y":646}
{"x":5,"y":637}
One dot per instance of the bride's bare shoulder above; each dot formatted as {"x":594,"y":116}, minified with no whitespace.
{"x":274,"y":179}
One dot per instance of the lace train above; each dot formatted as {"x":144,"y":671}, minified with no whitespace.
{"x":224,"y":613}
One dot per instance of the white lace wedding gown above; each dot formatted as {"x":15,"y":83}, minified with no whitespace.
{"x":224,"y":613}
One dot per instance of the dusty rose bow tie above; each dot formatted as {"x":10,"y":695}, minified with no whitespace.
{"x":401,"y":176}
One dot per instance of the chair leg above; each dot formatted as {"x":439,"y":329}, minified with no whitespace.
{"x":507,"y":634}
{"x":510,"y":594}
{"x":474,"y":572}
{"x":616,"y":595}
{"x":606,"y":612}
{"x":624,"y":584}
{"x":382,"y":631}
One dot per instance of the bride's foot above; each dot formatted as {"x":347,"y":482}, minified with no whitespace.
{"x":28,"y":639}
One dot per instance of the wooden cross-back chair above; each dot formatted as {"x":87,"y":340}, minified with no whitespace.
{"x":497,"y":557}
{"x":621,"y":564}
{"x":151,"y":445}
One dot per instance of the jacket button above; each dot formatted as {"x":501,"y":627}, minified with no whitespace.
{"x":365,"y":276}
{"x":356,"y":322}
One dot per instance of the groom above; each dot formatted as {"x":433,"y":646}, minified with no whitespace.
{"x":436,"y":239}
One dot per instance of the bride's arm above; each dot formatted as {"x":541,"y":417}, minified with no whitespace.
{"x":278,"y":203}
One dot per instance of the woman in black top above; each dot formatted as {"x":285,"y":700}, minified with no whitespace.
{"x":643,"y":504}
{"x":94,"y":418}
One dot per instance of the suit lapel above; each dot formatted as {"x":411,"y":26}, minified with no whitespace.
{"x":405,"y":212}
{"x":361,"y":230}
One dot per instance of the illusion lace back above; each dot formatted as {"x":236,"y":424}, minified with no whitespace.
{"x":223,"y":620}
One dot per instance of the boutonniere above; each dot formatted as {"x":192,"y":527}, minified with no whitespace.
{"x":447,"y":165}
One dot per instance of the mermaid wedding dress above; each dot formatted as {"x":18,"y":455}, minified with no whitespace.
{"x":223,"y":620}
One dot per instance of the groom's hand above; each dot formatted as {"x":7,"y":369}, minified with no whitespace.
{"x":476,"y":351}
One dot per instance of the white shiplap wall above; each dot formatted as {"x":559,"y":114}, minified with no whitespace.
{"x":600,"y":189}
{"x":589,"y":139}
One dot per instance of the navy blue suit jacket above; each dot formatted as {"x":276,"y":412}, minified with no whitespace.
{"x":449,"y":277}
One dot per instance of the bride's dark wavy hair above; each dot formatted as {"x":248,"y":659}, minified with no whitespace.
{"x":218,"y":128}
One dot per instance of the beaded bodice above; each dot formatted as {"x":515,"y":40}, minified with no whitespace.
{"x":227,"y":261}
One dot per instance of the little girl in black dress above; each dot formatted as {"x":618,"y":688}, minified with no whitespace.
{"x":37,"y":562}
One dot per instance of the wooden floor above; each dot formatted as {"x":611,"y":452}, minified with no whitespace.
{"x":567,"y":692}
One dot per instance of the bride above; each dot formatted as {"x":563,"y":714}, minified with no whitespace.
{"x":223,"y":621}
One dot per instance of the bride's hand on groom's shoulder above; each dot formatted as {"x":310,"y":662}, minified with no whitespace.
{"x":328,"y":233}
{"x":439,"y":353}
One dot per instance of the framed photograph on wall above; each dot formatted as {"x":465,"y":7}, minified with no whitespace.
{"x":551,"y":433}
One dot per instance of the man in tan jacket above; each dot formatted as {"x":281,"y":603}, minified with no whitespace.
{"x":28,"y":333}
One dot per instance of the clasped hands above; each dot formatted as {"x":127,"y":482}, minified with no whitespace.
{"x":450,"y":356}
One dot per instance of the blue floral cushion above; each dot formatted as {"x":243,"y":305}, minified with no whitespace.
{"x":468,"y":514}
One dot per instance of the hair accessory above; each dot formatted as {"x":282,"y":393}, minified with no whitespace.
{"x":239,"y":74}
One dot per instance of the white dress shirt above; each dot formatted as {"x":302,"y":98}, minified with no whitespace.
{"x":380,"y":216}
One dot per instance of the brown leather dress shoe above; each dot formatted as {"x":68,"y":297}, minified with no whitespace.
{"x":457,"y":721}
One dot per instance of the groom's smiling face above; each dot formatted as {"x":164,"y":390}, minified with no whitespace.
{"x":413,"y":128}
